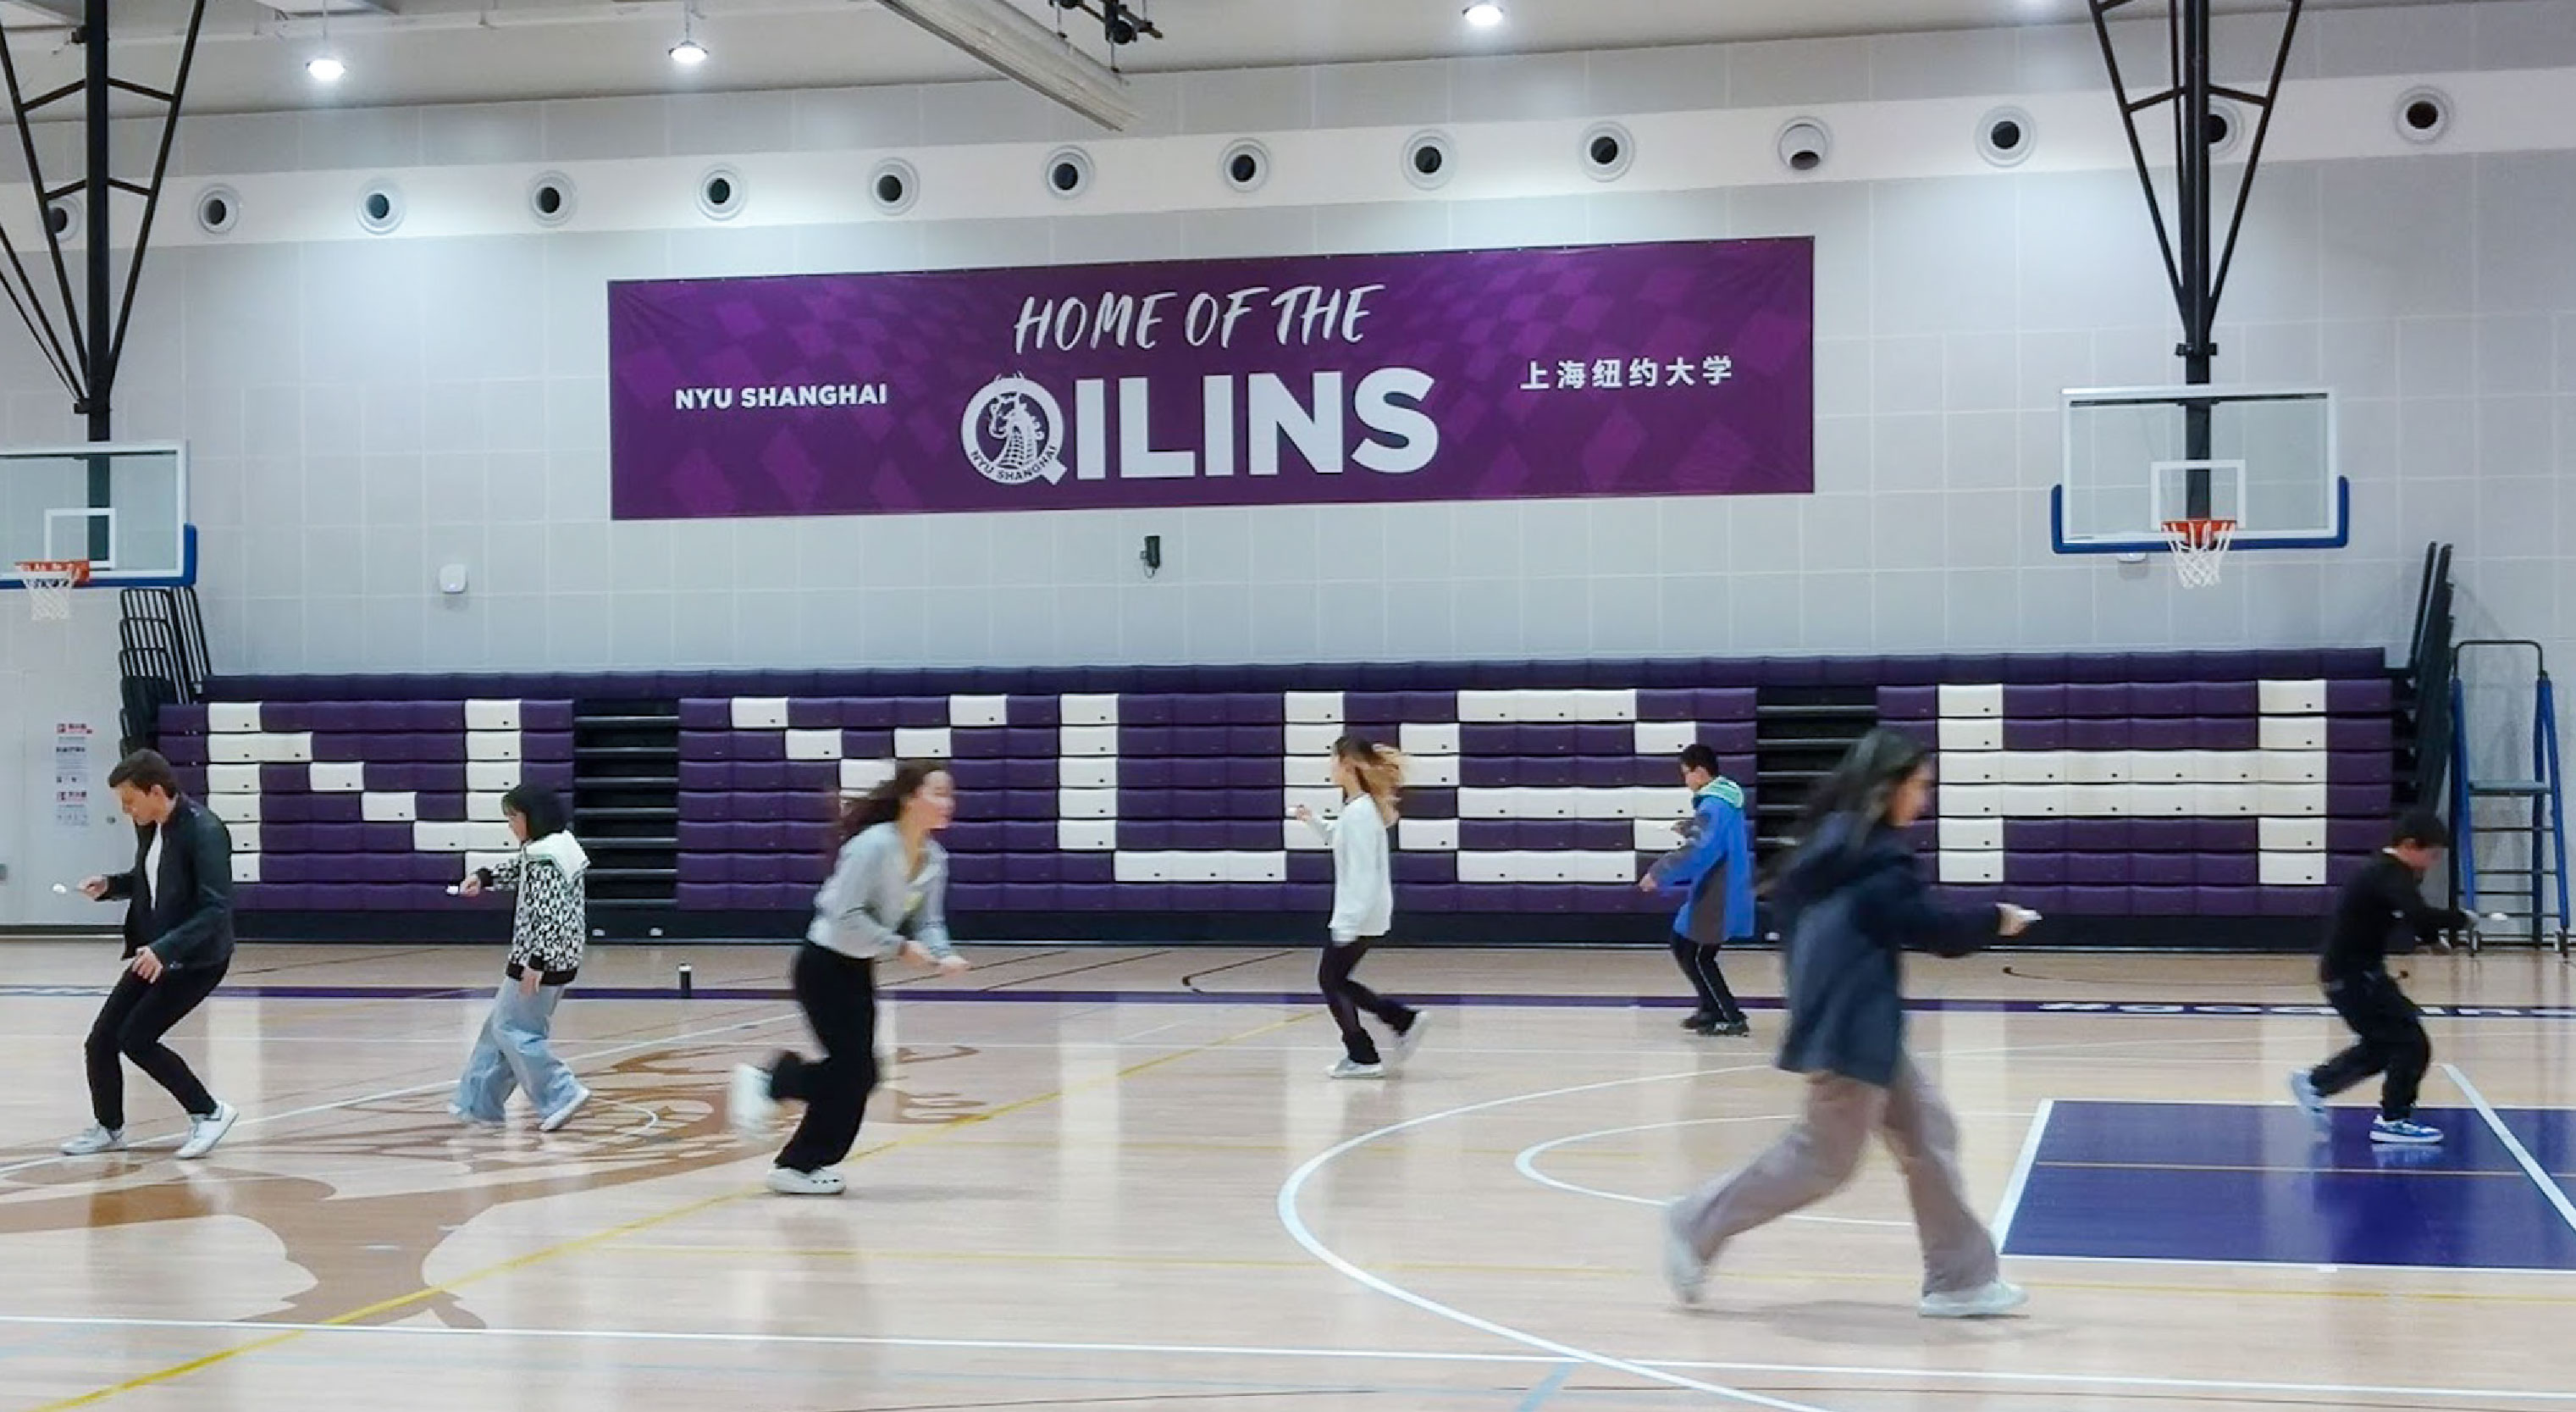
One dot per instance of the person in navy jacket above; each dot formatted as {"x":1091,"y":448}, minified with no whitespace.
{"x":1853,"y":900}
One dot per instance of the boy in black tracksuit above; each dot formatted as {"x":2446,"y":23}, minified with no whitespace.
{"x":2380,"y":899}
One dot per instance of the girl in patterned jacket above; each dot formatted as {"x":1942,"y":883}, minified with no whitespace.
{"x":545,"y":954}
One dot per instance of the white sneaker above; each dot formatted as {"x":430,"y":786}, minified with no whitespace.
{"x":1353,"y":1069}
{"x":563,"y":1115}
{"x":457,"y":1111}
{"x":95,"y":1141}
{"x":205,"y":1132}
{"x":747,"y":1101}
{"x":2303,"y":1091}
{"x":1993,"y":1298}
{"x":787,"y":1181}
{"x":1407,"y":1040}
{"x":1683,"y":1269}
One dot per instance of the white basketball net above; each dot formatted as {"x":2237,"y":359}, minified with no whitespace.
{"x":2199,"y":549}
{"x":49,"y":589}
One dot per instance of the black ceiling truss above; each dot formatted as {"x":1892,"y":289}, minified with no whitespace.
{"x":2196,"y":266}
{"x":87,"y":344}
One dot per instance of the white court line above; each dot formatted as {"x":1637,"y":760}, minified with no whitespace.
{"x":1354,"y":1355}
{"x":1527,"y":1165}
{"x":1298,"y":1231}
{"x":261,"y":1120}
{"x":2555,"y":1194}
{"x":2011,"y":1204}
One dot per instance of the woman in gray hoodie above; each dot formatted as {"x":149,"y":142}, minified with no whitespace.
{"x":1852,"y":901}
{"x":887,"y":897}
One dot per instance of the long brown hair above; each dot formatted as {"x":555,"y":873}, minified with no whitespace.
{"x":883,"y":804}
{"x":1379,"y":769}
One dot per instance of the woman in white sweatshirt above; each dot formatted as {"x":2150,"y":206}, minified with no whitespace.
{"x":547,"y":932}
{"x":1363,"y":905}
{"x":887,"y":897}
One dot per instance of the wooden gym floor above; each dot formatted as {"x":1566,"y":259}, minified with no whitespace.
{"x":1119,"y":1179}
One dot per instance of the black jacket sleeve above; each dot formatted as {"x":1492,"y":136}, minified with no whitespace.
{"x":2406,"y":901}
{"x":210,"y":899}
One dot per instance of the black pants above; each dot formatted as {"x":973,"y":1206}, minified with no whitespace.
{"x":130,"y":1026}
{"x":839,"y":996}
{"x":1699,"y":963}
{"x":2392,"y":1042}
{"x":1349,"y":1000}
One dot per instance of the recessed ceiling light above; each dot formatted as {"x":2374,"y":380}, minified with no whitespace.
{"x":1485,"y":14}
{"x":688,"y":53}
{"x":325,"y":68}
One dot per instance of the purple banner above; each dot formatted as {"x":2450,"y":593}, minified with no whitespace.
{"x":1677,"y":369}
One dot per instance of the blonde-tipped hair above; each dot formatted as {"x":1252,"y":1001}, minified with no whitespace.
{"x":1379,"y":768}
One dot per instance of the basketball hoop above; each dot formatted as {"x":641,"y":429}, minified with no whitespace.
{"x":2199,"y":548}
{"x":49,"y":584}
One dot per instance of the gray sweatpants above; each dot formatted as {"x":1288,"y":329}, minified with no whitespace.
{"x":1817,"y":1157}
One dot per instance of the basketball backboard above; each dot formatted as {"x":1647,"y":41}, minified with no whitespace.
{"x":121,"y":506}
{"x":2268,"y":463}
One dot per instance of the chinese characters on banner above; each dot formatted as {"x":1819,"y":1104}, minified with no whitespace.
{"x":71,"y":774}
{"x":1617,"y":374}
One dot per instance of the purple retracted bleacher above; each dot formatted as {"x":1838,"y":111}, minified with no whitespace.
{"x":1208,"y":760}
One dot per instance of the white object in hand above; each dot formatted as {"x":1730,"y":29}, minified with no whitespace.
{"x":60,"y":890}
{"x":2023,"y":914}
{"x":453,"y":890}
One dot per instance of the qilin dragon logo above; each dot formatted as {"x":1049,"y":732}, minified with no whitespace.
{"x":1014,"y":433}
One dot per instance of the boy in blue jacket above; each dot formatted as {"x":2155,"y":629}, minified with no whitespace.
{"x":1713,"y":871}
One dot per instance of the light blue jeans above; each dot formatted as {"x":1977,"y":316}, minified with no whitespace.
{"x":513,"y":1052}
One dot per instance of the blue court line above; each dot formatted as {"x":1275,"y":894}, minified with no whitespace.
{"x":1540,"y":1395}
{"x":1538,"y":1001}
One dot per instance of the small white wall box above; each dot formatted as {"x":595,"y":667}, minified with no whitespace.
{"x":451,"y":578}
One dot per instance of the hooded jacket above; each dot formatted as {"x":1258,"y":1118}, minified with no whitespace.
{"x":551,"y":923}
{"x":1851,"y":901}
{"x":1713,"y":869}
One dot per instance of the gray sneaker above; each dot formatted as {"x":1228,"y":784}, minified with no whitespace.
{"x":1995,"y":1297}
{"x":1684,"y":1271}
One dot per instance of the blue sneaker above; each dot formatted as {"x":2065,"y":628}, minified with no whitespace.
{"x":2303,"y":1090}
{"x":2404,"y":1132}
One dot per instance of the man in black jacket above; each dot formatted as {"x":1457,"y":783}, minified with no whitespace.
{"x":2381,"y":901}
{"x":178,"y":944}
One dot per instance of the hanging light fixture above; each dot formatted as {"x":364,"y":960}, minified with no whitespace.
{"x":325,"y":65}
{"x":688,"y":53}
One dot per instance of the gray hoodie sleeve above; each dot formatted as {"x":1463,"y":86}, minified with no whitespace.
{"x":843,"y":918}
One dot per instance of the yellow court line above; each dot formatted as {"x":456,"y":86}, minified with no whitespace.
{"x":570,"y":1247}
{"x":2393,"y":1169}
{"x":1599,"y":1272}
